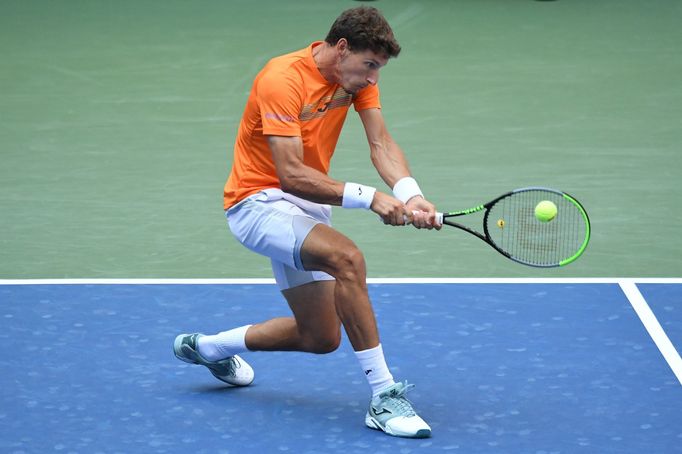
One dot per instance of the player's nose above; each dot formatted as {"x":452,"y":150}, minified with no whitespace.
{"x":373,"y":78}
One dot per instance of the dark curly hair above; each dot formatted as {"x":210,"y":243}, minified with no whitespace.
{"x":365,"y":28}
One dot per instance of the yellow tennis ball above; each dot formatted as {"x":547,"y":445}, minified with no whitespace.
{"x":500,"y":223}
{"x":545,"y":211}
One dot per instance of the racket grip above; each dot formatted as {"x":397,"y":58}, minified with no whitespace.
{"x":439,"y":217}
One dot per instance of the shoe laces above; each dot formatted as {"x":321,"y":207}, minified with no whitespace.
{"x":227,"y":366}
{"x":396,"y":398}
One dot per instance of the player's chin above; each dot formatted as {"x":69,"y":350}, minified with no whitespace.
{"x":354,"y":89}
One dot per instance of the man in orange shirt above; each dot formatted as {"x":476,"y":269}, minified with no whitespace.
{"x":277,"y":201}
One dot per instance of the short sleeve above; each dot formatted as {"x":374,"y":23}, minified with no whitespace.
{"x":279,"y":101}
{"x":367,"y":98}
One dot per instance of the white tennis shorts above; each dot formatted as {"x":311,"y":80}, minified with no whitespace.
{"x":275,"y":224}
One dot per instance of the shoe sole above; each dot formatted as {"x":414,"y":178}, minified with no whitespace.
{"x":374,"y":424}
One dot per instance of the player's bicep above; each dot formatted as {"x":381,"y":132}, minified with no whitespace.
{"x":287,"y":154}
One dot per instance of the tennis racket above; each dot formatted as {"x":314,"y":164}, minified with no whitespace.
{"x":511,"y":227}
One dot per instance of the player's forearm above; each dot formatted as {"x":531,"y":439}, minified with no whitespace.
{"x":387,"y":157}
{"x":299,"y":179}
{"x":391,"y":164}
{"x":389,"y":160}
{"x":313,"y":185}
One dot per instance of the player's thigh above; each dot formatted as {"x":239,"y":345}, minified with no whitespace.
{"x":314,"y":310}
{"x":329,"y":250}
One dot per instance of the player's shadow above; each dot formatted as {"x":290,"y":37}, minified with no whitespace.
{"x":312,"y":408}
{"x":264,"y":395}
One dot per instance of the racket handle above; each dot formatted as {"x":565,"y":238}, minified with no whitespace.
{"x":439,"y":217}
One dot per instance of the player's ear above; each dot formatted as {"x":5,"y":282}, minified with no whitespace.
{"x":342,"y":46}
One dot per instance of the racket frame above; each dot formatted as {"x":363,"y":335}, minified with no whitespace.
{"x":486,"y":235}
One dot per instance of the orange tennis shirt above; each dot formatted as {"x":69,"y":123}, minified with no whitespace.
{"x":290,"y":97}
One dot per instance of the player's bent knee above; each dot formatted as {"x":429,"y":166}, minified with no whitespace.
{"x":324,"y":348}
{"x":349,"y":264}
{"x":326,"y":344}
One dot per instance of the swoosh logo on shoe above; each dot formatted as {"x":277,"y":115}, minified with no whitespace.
{"x":383,"y":410}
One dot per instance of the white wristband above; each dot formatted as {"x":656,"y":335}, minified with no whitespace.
{"x":357,"y":196}
{"x":406,"y":188}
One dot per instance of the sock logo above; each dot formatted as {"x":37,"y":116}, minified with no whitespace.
{"x":368,"y":371}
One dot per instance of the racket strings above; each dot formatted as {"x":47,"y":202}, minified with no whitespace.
{"x":513,"y":227}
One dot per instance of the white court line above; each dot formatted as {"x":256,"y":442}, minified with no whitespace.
{"x":389,"y":280}
{"x":654,"y":328}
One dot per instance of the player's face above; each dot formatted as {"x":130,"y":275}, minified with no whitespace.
{"x":356,"y":70}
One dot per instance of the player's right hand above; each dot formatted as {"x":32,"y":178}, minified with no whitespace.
{"x":391,"y":210}
{"x":424,"y":213}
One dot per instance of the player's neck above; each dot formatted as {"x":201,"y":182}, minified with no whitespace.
{"x":326,"y":59}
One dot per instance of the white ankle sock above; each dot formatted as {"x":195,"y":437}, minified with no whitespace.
{"x":223,"y":345}
{"x":374,"y":365}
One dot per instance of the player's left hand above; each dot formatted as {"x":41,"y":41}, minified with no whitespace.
{"x":424,"y":213}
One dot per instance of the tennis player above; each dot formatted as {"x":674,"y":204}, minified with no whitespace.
{"x":277,"y":201}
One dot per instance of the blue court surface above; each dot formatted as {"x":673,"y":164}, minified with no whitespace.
{"x":512,"y":367}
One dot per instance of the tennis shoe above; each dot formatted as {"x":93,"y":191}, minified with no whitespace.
{"x":391,"y":412}
{"x":233,"y":370}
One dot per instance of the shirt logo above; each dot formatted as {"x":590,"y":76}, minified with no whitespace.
{"x":340,"y":98}
{"x":280,"y":117}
